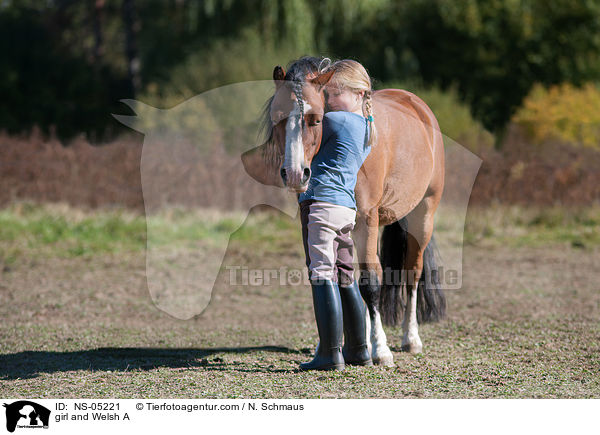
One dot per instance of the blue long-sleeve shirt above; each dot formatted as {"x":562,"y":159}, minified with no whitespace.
{"x":344,"y":148}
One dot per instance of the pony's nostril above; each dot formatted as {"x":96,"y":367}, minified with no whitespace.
{"x":283,"y":175}
{"x":305,"y":175}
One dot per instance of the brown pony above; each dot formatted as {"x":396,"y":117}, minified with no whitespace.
{"x":399,"y":186}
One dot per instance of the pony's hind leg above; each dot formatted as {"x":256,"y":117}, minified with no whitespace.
{"x":365,"y":236}
{"x":420,"y":229}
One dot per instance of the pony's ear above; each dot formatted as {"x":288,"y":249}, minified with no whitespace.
{"x":278,"y":76}
{"x":322,"y":79}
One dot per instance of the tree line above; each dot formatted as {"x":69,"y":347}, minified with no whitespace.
{"x":66,"y":63}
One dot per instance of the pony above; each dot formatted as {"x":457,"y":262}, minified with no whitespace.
{"x":399,"y":187}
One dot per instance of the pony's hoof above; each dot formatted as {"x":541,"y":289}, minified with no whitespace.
{"x":411,"y":343}
{"x":413,"y":348}
{"x":384,"y":360}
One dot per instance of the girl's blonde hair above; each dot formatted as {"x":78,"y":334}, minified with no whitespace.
{"x":350,"y":74}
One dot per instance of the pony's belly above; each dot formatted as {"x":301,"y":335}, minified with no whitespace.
{"x":397,"y":202}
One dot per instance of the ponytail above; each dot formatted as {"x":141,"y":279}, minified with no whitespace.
{"x":368,"y":110}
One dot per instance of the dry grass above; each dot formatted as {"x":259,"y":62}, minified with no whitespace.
{"x":86,"y":176}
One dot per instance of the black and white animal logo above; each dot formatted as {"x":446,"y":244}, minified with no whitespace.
{"x":26,"y":414}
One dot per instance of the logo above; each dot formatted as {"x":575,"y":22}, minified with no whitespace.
{"x":26,"y":414}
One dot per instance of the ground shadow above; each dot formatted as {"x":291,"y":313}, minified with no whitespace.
{"x":30,"y":364}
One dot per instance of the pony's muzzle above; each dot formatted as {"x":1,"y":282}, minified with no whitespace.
{"x":295,"y":179}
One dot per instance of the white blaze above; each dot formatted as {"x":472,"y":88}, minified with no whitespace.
{"x":294,"y":148}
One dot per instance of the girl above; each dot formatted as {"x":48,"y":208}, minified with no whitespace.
{"x":328,"y":212}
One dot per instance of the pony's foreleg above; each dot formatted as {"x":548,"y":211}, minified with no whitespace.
{"x":420,"y":229}
{"x":366,"y":236}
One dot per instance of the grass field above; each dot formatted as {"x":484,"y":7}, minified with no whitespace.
{"x":77,"y":319}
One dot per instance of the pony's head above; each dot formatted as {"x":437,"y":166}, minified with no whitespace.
{"x":293,"y":120}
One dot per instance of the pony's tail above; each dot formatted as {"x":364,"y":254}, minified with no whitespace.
{"x":431,"y":301}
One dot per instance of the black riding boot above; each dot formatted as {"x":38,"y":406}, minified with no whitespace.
{"x":328,"y":313}
{"x":355,"y":349}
